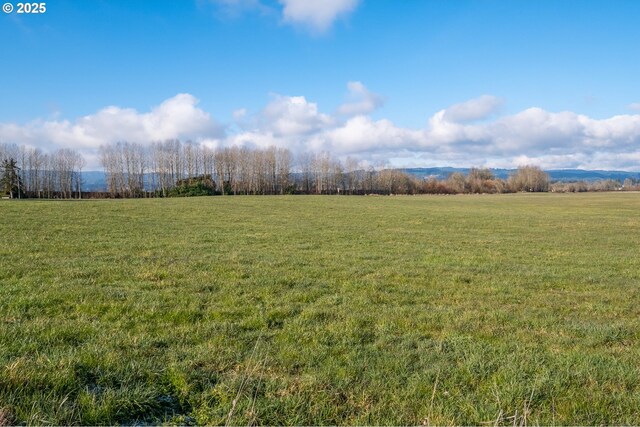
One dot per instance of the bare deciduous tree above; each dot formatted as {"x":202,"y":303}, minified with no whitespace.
{"x":529,"y":178}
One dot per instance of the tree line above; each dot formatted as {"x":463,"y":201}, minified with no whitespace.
{"x":175,"y":168}
{"x":30,"y":172}
{"x":133,"y":169}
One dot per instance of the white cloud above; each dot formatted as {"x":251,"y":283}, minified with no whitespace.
{"x":537,"y":136}
{"x":360,"y":100}
{"x":177,"y":117}
{"x":286,"y":121}
{"x":534,"y":135}
{"x":287,"y":116}
{"x":318,"y":14}
{"x":634,"y":106}
{"x":361,"y":134}
{"x":473,"y":109}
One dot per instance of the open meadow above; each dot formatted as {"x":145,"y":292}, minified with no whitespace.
{"x":497,"y":309}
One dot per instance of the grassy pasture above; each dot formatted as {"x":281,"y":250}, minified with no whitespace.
{"x":501,"y":309}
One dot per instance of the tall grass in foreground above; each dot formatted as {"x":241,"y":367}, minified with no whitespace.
{"x":509,"y":309}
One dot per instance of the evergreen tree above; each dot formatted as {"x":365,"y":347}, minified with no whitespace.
{"x":10,"y":181}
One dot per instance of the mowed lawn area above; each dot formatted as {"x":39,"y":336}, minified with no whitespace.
{"x":496,"y":309}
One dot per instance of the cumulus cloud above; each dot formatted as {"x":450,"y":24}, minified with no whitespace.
{"x":473,"y":109}
{"x":360,"y":100}
{"x":453,"y":136}
{"x":287,"y":116}
{"x":318,"y":14}
{"x":177,"y":117}
{"x":286,"y":121}
{"x":361,"y":134}
{"x":558,"y":139}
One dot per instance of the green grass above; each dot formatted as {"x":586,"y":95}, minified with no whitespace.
{"x":507,"y":309}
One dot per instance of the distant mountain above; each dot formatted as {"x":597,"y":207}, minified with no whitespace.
{"x":590,"y":175}
{"x":96,"y":180}
{"x":565,"y":175}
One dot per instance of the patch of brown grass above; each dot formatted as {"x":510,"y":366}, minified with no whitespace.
{"x":6,"y":417}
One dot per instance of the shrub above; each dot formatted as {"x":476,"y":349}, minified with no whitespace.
{"x":199,"y":186}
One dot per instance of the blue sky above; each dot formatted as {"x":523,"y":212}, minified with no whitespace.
{"x":412,"y":82}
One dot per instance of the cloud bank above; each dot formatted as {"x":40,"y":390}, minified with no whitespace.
{"x":465,"y":134}
{"x":177,"y":117}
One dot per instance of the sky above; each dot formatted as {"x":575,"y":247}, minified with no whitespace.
{"x":411,"y":83}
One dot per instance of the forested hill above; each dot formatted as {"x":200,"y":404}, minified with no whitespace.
{"x":95,"y":180}
{"x":565,"y":175}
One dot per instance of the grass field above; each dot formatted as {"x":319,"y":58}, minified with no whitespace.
{"x":503,"y":309}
